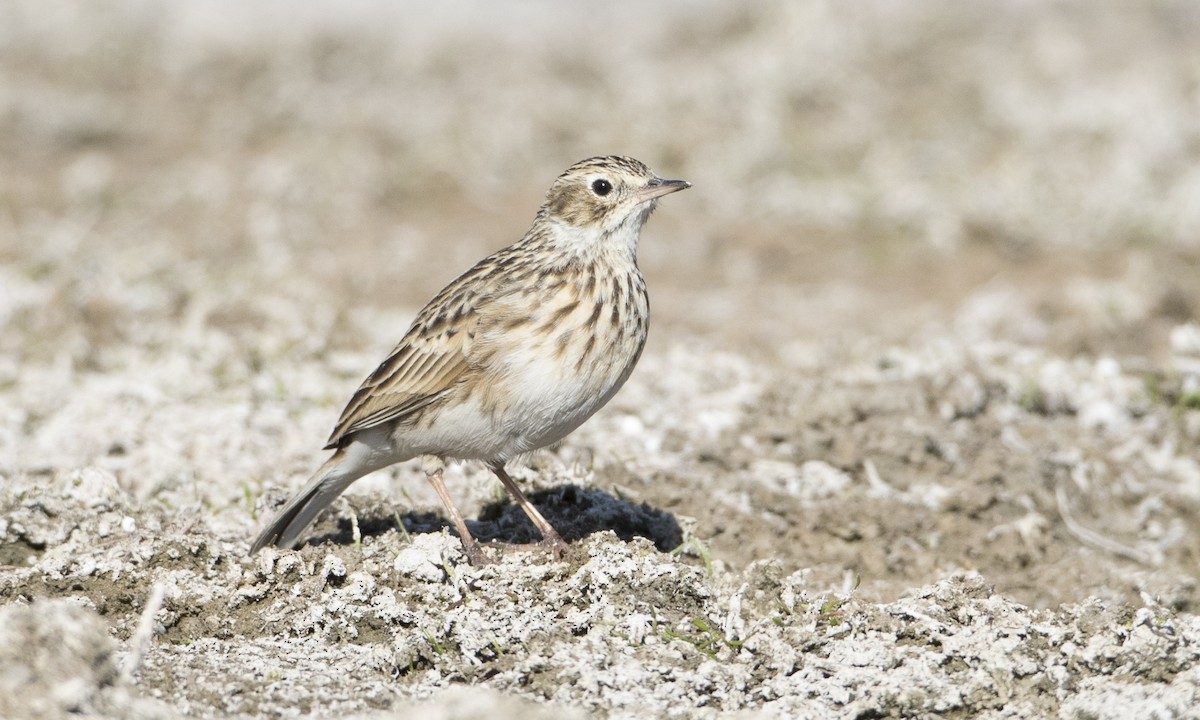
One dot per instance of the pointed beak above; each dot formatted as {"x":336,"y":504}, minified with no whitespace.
{"x":657,"y":187}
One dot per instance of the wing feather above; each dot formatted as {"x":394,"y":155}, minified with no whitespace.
{"x":423,"y":369}
{"x":439,"y":351}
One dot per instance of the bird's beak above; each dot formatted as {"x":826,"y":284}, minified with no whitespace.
{"x":657,"y":187}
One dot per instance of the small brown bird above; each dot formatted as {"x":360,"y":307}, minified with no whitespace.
{"x":511,"y":356}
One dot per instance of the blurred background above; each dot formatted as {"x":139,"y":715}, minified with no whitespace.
{"x":376,"y":149}
{"x":215,"y":216}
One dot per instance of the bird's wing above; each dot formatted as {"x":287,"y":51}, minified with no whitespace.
{"x":423,"y":369}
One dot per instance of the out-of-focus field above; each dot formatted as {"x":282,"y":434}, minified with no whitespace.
{"x":930,"y":310}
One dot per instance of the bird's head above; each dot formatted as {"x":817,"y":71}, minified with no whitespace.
{"x":606,"y":195}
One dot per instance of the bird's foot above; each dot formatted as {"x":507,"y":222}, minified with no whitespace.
{"x":554,"y":545}
{"x":475,"y":555}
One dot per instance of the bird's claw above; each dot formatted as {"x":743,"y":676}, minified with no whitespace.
{"x":554,"y":545}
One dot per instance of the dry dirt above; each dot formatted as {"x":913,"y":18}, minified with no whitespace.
{"x":917,"y":432}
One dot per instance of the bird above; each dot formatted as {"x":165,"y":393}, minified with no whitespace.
{"x":511,"y":356}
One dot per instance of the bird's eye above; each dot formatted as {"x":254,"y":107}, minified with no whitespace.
{"x":601,"y":187}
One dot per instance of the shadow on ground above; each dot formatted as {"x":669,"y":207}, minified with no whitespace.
{"x":576,"y":512}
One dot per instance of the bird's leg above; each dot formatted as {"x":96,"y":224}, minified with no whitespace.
{"x":433,"y":467}
{"x":551,"y":540}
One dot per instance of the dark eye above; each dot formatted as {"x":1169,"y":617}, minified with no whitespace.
{"x":601,"y":187}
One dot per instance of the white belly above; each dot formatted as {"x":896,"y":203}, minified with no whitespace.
{"x":541,"y":378}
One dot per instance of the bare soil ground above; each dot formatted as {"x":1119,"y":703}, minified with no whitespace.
{"x":917,"y":431}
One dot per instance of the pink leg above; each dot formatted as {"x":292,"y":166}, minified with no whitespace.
{"x":551,"y":540}
{"x":433,"y":473}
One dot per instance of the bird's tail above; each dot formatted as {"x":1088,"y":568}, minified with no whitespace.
{"x":326,"y":485}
